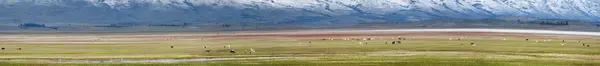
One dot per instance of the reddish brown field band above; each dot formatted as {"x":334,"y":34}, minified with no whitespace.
{"x":405,"y":34}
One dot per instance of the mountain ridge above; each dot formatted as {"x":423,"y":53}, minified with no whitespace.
{"x":287,"y":11}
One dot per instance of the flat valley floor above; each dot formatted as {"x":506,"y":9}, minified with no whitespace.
{"x":302,"y":47}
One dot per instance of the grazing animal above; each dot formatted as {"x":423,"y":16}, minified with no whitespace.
{"x":459,"y":39}
{"x":473,"y":44}
{"x":252,"y":51}
{"x":3,"y":48}
{"x":19,"y":48}
{"x":461,"y":44}
{"x":309,"y":42}
{"x":232,"y":51}
{"x":563,"y":41}
{"x":588,"y":45}
{"x":526,"y":39}
{"x":172,"y":46}
{"x":562,"y":44}
{"x":207,"y":50}
{"x":386,"y":42}
{"x":399,"y":42}
{"x":393,"y":42}
{"x":227,"y":46}
{"x":205,"y":47}
{"x":583,"y":44}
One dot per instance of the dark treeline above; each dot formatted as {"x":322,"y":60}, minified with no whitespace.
{"x":120,"y":25}
{"x":560,"y":23}
{"x":34,"y":25}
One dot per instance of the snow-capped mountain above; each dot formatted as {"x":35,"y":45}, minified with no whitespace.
{"x":288,"y":11}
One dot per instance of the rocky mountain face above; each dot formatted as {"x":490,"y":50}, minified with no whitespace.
{"x":305,"y":12}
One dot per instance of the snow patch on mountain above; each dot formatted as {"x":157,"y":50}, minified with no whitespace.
{"x":292,"y":11}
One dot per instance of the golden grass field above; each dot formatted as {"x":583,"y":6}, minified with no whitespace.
{"x":315,"y":48}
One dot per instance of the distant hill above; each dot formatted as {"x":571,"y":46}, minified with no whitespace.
{"x":543,"y":24}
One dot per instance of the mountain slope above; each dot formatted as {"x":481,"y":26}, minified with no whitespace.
{"x":286,"y":11}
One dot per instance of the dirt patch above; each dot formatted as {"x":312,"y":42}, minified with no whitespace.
{"x":411,"y":53}
{"x":589,"y":57}
{"x":490,"y":55}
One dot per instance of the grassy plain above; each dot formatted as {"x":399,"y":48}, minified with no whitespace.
{"x":419,"y":49}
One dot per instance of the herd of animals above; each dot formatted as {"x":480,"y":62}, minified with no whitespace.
{"x":398,"y":41}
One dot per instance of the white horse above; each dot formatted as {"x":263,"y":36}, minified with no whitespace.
{"x":252,"y":51}
{"x":227,"y":46}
